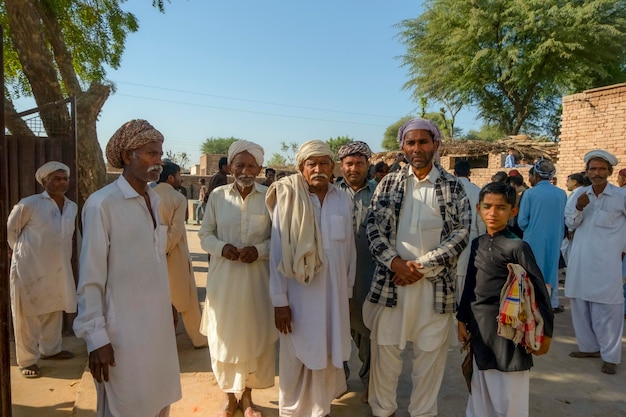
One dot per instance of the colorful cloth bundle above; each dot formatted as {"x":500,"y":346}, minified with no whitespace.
{"x":519,"y":319}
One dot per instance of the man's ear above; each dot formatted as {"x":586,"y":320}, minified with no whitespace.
{"x":126,"y":156}
{"x":514,"y":212}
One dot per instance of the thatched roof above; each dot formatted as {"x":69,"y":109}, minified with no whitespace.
{"x":523,"y":145}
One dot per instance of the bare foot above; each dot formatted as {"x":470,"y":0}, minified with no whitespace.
{"x":31,"y":371}
{"x":247,"y":406}
{"x":608,"y":368}
{"x":230,"y":405}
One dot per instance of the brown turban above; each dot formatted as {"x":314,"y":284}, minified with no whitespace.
{"x":131,"y":135}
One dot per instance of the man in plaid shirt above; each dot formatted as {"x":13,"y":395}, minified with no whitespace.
{"x":417,"y":226}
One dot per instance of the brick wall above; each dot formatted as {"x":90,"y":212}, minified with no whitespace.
{"x":593,"y":119}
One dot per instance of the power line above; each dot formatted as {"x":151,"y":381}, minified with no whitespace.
{"x":248,"y":111}
{"x":256,"y":101}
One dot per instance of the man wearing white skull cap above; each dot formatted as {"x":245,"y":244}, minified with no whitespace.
{"x":39,"y":231}
{"x":597,"y":214}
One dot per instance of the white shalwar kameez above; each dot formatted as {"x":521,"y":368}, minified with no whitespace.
{"x":124,"y":299}
{"x":41,"y":279}
{"x":311,"y":357}
{"x":594,"y":271}
{"x":238,"y":315}
{"x":414,"y":318}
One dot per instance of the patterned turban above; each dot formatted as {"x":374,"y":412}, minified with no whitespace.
{"x":622,"y":172}
{"x":602,"y":154}
{"x":244,"y":146}
{"x":419,"y":124}
{"x":311,"y":149}
{"x":131,"y":135}
{"x":48,"y":168}
{"x":544,"y":169}
{"x":354,"y":148}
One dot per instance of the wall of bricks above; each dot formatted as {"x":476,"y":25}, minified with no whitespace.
{"x":593,"y":119}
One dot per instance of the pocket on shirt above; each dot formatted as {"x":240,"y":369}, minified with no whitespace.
{"x":605,"y":218}
{"x":338,"y":227}
{"x":258,"y":229}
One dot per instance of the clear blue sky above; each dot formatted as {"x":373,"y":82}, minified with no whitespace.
{"x":265,"y":71}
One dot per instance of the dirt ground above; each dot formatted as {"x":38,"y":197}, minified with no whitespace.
{"x":560,"y":386}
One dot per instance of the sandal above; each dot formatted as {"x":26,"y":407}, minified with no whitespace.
{"x":31,"y":371}
{"x":62,"y":355}
{"x":558,"y":309}
{"x":578,"y":354}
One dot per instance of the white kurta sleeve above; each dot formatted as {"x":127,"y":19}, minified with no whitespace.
{"x":17,"y":220}
{"x":573,"y":217}
{"x":351,"y":259}
{"x":90,"y":322}
{"x":278,"y":282}
{"x":208,"y":231}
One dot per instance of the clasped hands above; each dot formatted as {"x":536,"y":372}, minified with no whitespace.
{"x":405,"y":272}
{"x":247,"y":255}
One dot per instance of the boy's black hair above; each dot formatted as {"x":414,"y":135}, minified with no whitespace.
{"x":268,"y":169}
{"x":500,"y":176}
{"x":223,"y":161}
{"x":516,"y":180}
{"x":500,"y":188}
{"x":579,"y":178}
{"x":169,"y":168}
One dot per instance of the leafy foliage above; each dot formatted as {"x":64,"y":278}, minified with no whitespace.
{"x":514,"y":59}
{"x":276,"y":160}
{"x":216,"y":145}
{"x":290,"y":150}
{"x":338,"y":142}
{"x":488,"y":133}
{"x":179,"y":158}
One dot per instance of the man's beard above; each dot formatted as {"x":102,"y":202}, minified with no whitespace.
{"x":245,"y":181}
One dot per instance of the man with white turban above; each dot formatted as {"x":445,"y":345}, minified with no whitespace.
{"x":597,"y":215}
{"x":417,"y":226}
{"x":540,"y":217}
{"x":124,"y":304}
{"x":39,"y":232}
{"x":238,"y":315}
{"x":312,"y":268}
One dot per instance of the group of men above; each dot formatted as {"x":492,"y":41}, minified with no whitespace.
{"x":303,"y":261}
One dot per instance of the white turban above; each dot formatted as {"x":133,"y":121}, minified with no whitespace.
{"x":311,"y":149}
{"x":48,"y":168}
{"x":602,"y":154}
{"x":245,"y":146}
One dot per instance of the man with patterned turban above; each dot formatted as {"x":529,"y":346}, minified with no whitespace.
{"x":312,"y":267}
{"x":124,"y":305}
{"x":540,"y":217}
{"x":39,"y":232}
{"x":417,"y":226}
{"x":597,"y":214}
{"x":354,"y":161}
{"x":238,"y":315}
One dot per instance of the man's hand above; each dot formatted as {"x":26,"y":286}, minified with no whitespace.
{"x":544,"y":348}
{"x":99,"y":362}
{"x":582,"y":201}
{"x":230,"y":252}
{"x":282,"y":319}
{"x":463,"y":334}
{"x":405,"y":272}
{"x":248,"y":254}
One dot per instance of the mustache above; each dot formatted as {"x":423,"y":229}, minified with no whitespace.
{"x":158,"y":168}
{"x":319,"y":175}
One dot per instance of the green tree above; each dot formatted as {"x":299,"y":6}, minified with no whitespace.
{"x":60,"y":48}
{"x":277,"y":160}
{"x":338,"y":142}
{"x":290,"y":150}
{"x":179,"y":158}
{"x":390,"y":137}
{"x":488,"y":132}
{"x":514,"y":59}
{"x":216,"y":145}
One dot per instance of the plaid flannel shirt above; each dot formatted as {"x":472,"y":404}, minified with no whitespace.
{"x":382,"y":223}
